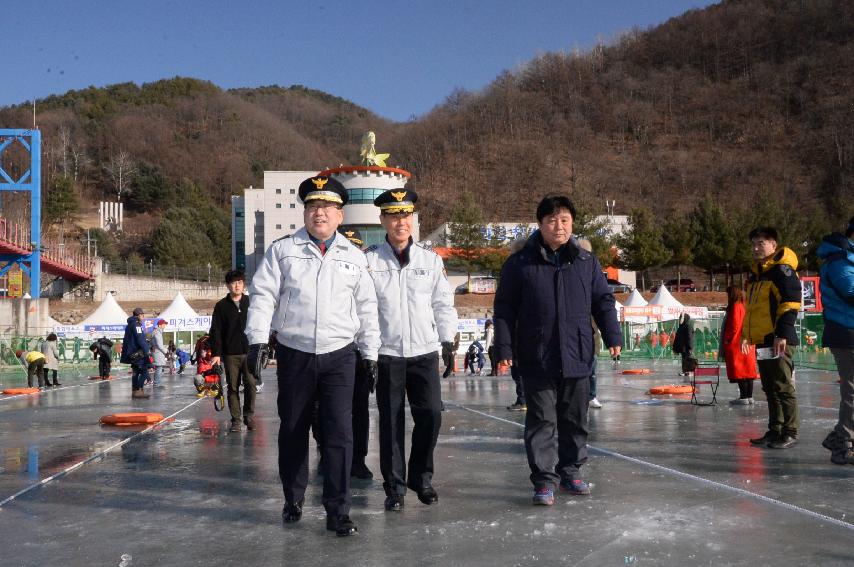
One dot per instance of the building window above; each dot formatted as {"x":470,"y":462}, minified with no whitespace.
{"x":278,"y":227}
{"x":293,"y":191}
{"x":293,"y":226}
{"x":278,"y":191}
{"x":278,"y":205}
{"x":293,"y":206}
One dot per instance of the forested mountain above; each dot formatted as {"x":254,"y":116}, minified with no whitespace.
{"x":744,"y":101}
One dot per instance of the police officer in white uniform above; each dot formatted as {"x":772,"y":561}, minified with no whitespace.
{"x":315,"y":290}
{"x":416,"y":308}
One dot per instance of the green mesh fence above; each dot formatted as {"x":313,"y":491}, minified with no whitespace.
{"x":653,"y":341}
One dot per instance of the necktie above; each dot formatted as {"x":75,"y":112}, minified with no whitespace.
{"x":322,"y":247}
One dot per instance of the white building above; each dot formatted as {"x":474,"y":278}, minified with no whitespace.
{"x":268,"y":213}
{"x":263,"y":215}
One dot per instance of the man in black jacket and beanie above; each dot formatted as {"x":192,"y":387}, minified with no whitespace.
{"x":229,"y":344}
{"x":546,"y":295}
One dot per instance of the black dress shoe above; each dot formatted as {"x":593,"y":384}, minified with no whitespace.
{"x":394,"y":503}
{"x":343,"y":526}
{"x":361,"y":471}
{"x":426,"y":494}
{"x":292,"y":513}
{"x":783,"y":442}
{"x":765,"y":439}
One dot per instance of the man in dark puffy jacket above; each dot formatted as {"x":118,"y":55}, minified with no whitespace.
{"x":546,"y":296}
{"x":837,"y":293}
{"x":135,"y":351}
{"x":773,"y":301}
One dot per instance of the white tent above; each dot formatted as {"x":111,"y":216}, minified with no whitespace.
{"x":635,"y":299}
{"x":664,"y":298}
{"x":178,"y":308}
{"x":179,"y":316}
{"x":671,"y":308}
{"x":109,"y":317}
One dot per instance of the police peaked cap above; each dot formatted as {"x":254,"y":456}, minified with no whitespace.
{"x":397,"y":201}
{"x":323,"y":189}
{"x":353,"y":235}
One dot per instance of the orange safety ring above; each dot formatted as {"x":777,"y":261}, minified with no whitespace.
{"x":131,"y":419}
{"x":638,"y":371}
{"x":17,"y":391}
{"x":672,"y":389}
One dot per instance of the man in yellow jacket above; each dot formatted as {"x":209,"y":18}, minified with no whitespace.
{"x":34,"y":361}
{"x":773,"y":301}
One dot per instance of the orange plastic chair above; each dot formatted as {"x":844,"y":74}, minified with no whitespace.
{"x":706,"y":376}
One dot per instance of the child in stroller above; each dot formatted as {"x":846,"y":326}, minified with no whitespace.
{"x":209,"y":377}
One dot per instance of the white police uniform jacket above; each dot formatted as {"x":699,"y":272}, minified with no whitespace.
{"x":416,"y":302}
{"x":316,"y":303}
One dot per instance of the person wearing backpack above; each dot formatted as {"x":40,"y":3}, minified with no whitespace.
{"x":837,"y":292}
{"x":102,"y":349}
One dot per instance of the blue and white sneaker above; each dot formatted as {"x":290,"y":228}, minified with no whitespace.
{"x":576,"y":487}
{"x":544,"y":497}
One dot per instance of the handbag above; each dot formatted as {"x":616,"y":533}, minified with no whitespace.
{"x":137,"y":356}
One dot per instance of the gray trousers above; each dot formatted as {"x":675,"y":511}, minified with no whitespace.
{"x":845,"y":364}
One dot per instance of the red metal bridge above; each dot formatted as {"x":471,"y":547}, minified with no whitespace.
{"x":15,"y":240}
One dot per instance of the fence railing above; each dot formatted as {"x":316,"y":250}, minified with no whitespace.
{"x":189,"y":273}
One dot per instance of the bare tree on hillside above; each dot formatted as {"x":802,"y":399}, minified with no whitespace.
{"x":120,"y":169}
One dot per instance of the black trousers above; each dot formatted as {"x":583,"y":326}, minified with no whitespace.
{"x":237,"y":371}
{"x":517,"y":379}
{"x":104,"y":364}
{"x":555,"y":403}
{"x":418,"y":379}
{"x":361,"y":416}
{"x":303,"y":378}
{"x":35,"y":371}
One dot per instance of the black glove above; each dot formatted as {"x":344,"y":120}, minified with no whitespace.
{"x":372,"y":372}
{"x":447,"y":347}
{"x":255,"y":360}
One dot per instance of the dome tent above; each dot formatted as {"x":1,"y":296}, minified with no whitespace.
{"x":635,"y":299}
{"x":109,"y":317}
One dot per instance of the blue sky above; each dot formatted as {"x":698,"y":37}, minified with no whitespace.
{"x":397,"y":58}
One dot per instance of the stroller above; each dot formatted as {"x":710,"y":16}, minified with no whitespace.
{"x":210,"y":378}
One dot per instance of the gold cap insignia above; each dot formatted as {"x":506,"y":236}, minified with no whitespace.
{"x":398,"y":195}
{"x":319,"y":183}
{"x":349,"y":233}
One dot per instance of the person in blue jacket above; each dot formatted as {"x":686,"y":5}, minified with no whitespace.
{"x":546,"y":296}
{"x":837,"y":293}
{"x":135,"y":351}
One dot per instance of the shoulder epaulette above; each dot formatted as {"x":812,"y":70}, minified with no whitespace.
{"x":282,"y":238}
{"x":371,"y":248}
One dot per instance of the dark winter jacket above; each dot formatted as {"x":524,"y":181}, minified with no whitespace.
{"x":684,"y":341}
{"x":543,"y":307}
{"x":133,"y":341}
{"x":228,"y":324}
{"x":837,"y":291}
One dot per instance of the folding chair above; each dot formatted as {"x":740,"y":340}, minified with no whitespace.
{"x":706,"y":375}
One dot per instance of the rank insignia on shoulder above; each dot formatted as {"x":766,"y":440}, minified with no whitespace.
{"x":371,"y":248}
{"x":282,"y":238}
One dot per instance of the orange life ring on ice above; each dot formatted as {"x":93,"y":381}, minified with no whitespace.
{"x":672,"y":389}
{"x":638,"y":371}
{"x":131,"y":419}
{"x":17,"y":391}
